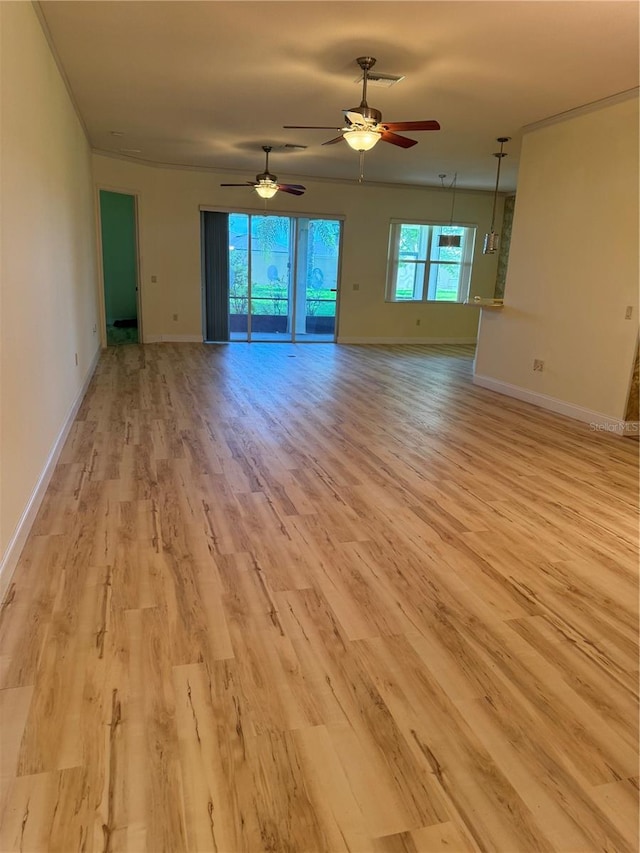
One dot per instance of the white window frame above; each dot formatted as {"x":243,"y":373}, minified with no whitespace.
{"x":422,"y":292}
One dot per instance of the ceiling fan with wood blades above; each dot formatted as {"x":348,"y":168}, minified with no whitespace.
{"x":266,"y":184}
{"x":364,"y":126}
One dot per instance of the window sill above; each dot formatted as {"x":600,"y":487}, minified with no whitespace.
{"x":425,"y":302}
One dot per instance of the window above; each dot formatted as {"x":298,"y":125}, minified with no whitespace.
{"x":420,"y":270}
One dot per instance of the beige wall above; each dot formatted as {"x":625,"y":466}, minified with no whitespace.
{"x":573,"y":267}
{"x":169,"y":226}
{"x":48,"y":269}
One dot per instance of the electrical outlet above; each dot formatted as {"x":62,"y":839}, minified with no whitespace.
{"x":95,"y":328}
{"x":628,"y":312}
{"x":154,"y":279}
{"x":175,"y":316}
{"x":356,"y":286}
{"x":538,"y":365}
{"x":418,"y":321}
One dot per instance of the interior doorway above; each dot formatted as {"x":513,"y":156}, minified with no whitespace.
{"x":119,"y":267}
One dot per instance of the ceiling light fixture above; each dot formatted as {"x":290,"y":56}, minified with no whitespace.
{"x":451,"y":241}
{"x":364,"y":125}
{"x":266,"y":189}
{"x":492,"y":240}
{"x":361,"y":139}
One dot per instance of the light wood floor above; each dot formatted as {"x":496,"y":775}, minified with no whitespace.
{"x":304,"y":599}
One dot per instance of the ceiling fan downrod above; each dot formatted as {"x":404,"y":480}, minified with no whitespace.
{"x":366,"y":63}
{"x":266,"y":175}
{"x":370,"y":114}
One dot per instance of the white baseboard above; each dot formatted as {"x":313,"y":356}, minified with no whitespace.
{"x":363,"y":340}
{"x":172,"y":339}
{"x":598,"y":421}
{"x":11,"y":556}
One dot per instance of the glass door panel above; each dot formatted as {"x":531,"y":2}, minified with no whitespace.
{"x":317,"y":279}
{"x":238,"y":276}
{"x":271,"y":265}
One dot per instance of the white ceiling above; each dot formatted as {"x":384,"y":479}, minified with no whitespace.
{"x":207,"y":84}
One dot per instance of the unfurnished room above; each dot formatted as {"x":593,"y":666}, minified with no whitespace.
{"x":319,"y":426}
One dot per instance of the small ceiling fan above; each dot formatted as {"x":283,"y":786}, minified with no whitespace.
{"x":266,"y":184}
{"x":364,"y":127}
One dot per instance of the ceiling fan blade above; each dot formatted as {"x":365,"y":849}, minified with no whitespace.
{"x":401,"y":141}
{"x":334,"y":140}
{"x":411,"y":125}
{"x":292,"y":189}
{"x":246,"y":184}
{"x":310,"y":127}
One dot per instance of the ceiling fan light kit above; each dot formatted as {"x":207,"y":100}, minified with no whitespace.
{"x":361,"y":140}
{"x":492,"y":240}
{"x":266,"y":189}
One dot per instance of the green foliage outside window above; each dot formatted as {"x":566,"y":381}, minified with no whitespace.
{"x":270,"y":237}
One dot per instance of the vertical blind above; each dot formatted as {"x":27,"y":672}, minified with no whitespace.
{"x":215,"y":228}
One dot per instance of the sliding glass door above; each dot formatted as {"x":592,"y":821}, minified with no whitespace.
{"x":317,"y":278}
{"x":271,"y":266}
{"x":279,"y":280}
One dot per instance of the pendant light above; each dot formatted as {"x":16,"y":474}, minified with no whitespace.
{"x":492,"y":240}
{"x":451,"y":241}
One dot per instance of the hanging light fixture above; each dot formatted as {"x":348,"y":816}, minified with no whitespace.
{"x":450,"y":240}
{"x":492,"y":240}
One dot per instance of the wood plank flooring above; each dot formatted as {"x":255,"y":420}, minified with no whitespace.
{"x":299,"y":599}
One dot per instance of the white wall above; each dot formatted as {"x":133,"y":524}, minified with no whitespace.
{"x":573,"y":268}
{"x":169,"y":229}
{"x":48,"y":268}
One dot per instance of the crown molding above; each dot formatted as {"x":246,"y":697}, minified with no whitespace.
{"x":584,"y":109}
{"x":37,"y":8}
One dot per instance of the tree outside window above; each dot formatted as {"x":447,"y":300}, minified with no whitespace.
{"x":420,"y":270}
